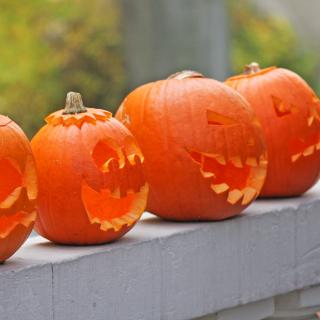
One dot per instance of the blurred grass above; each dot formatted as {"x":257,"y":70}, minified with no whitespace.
{"x":49,"y":47}
{"x":269,"y":40}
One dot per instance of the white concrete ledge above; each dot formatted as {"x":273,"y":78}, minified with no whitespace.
{"x":166,"y":270}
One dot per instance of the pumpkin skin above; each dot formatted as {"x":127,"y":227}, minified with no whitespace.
{"x":204,"y":151}
{"x":18,"y":188}
{"x":289,"y":113}
{"x":91,"y":184}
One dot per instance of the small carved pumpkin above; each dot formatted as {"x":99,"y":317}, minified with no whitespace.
{"x":91,"y":186}
{"x":204,"y":152}
{"x":18,"y":188}
{"x":289,"y":112}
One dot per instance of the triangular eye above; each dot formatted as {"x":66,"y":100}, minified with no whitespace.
{"x":314,"y":111}
{"x":281,"y":109}
{"x":219,"y":119}
{"x":107,"y":152}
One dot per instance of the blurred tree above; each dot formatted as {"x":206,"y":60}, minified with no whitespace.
{"x":269,"y":40}
{"x":49,"y":47}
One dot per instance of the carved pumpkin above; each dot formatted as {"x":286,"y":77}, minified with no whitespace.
{"x":289,"y":113}
{"x":18,"y":188}
{"x":91,"y":186}
{"x":204,"y":151}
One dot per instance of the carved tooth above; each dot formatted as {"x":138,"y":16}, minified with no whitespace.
{"x":106,"y":225}
{"x":130,"y":191}
{"x":116,"y":193}
{"x":206,"y":174}
{"x":141,"y":156}
{"x":117,"y":223}
{"x":129,"y":219}
{"x":11,"y":198}
{"x":260,"y":173}
{"x":252,"y":162}
{"x":318,"y":146}
{"x":234,"y":196}
{"x":310,"y":120}
{"x":221,"y":159}
{"x":106,"y":165}
{"x":133,"y":215}
{"x":308,"y":151}
{"x":131,"y":159}
{"x":236,"y":161}
{"x":95,"y":220}
{"x":295,"y":157}
{"x":249,"y":194}
{"x":219,"y":188}
{"x":121,"y":162}
{"x":263,"y":162}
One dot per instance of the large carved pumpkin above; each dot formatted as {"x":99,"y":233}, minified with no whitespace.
{"x":91,"y":186}
{"x":204,"y":152}
{"x":289,"y":113}
{"x":18,"y":188}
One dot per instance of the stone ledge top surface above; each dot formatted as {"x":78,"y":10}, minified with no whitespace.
{"x":169,"y":270}
{"x":152,"y":228}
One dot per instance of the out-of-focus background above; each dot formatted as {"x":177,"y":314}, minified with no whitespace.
{"x":104,"y":48}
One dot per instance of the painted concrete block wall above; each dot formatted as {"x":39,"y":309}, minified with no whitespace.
{"x":26,"y":290}
{"x":173,"y":271}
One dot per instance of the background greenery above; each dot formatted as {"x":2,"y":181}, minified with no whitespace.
{"x":49,"y":47}
{"x":271,"y":40}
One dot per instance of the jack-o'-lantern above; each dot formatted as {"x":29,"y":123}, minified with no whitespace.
{"x":289,"y":112}
{"x":204,"y":152}
{"x":18,"y":188}
{"x":91,"y":184}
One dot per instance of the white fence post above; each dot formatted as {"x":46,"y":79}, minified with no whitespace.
{"x":163,"y":37}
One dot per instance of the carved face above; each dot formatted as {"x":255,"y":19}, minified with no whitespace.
{"x":307,"y":143}
{"x":204,"y":151}
{"x":96,"y":181}
{"x":118,"y":201}
{"x":239,"y":177}
{"x":18,"y":188}
{"x":289,"y":112}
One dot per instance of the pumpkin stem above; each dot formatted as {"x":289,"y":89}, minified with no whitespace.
{"x":186,"y":74}
{"x":251,"y":68}
{"x":74,"y":104}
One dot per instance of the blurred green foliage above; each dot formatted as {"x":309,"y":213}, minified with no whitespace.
{"x":269,"y":40}
{"x":50,"y":47}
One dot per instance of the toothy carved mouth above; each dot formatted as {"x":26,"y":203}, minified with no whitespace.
{"x":241,"y":179}
{"x":107,"y":155}
{"x":306,"y":152}
{"x":314,"y":111}
{"x":119,"y":205}
{"x":110,"y":209}
{"x":9,"y":222}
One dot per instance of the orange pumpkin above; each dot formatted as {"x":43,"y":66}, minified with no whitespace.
{"x":204,"y":152}
{"x":91,"y":186}
{"x":18,"y":188}
{"x":289,"y":113}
